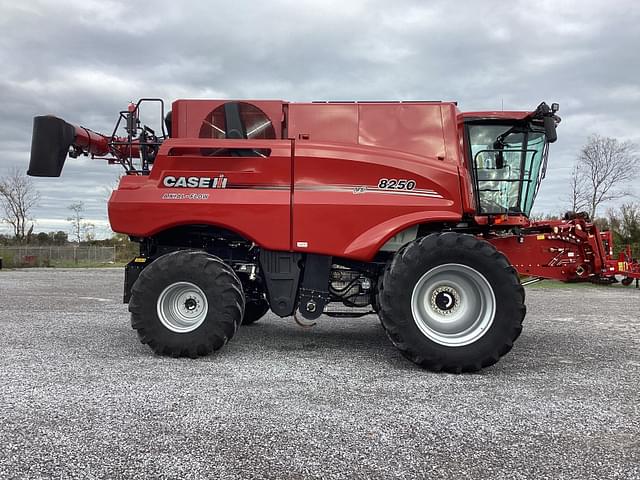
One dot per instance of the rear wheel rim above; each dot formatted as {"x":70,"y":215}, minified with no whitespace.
{"x":182,"y":307}
{"x":453,"y":305}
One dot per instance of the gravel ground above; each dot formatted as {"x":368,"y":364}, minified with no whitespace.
{"x":80,"y":397}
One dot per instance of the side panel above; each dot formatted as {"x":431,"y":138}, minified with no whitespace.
{"x":343,"y":207}
{"x":421,"y":128}
{"x":324,"y":122}
{"x":405,"y":127}
{"x":252,"y":198}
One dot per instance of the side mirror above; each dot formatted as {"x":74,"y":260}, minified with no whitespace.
{"x":550,"y":128}
{"x":549,"y":119}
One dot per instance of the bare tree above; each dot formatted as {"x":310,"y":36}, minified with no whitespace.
{"x":606,"y":166}
{"x":79,"y":228}
{"x":18,"y":198}
{"x":578,"y":197}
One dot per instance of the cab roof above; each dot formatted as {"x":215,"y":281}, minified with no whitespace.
{"x":499,"y":115}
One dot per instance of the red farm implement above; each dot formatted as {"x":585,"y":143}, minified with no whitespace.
{"x":415,"y":211}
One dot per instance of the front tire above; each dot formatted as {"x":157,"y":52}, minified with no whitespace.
{"x":451,"y":302}
{"x":186,"y":303}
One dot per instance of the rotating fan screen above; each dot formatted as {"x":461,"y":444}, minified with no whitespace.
{"x":237,"y":120}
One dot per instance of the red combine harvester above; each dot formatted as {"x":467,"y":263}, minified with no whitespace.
{"x":412,"y":210}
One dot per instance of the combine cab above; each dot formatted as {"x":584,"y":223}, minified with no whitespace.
{"x":412,"y":210}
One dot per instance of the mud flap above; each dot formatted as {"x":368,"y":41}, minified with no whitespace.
{"x":281,"y":271}
{"x":131,"y":274}
{"x":314,"y":292}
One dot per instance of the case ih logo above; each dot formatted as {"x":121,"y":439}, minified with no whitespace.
{"x":195,"y":182}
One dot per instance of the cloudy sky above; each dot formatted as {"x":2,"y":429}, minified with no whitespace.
{"x":84,"y":60}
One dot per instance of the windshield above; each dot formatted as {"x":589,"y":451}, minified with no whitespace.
{"x":509,"y":163}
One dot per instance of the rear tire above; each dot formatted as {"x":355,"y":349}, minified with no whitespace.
{"x":186,"y":303}
{"x":254,"y":311}
{"x":451,"y":302}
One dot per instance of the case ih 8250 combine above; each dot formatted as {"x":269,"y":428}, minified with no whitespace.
{"x":412,"y":210}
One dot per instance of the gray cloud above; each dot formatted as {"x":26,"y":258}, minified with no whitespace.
{"x":84,"y":60}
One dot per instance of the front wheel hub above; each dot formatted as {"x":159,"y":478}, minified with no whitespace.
{"x":445,"y":300}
